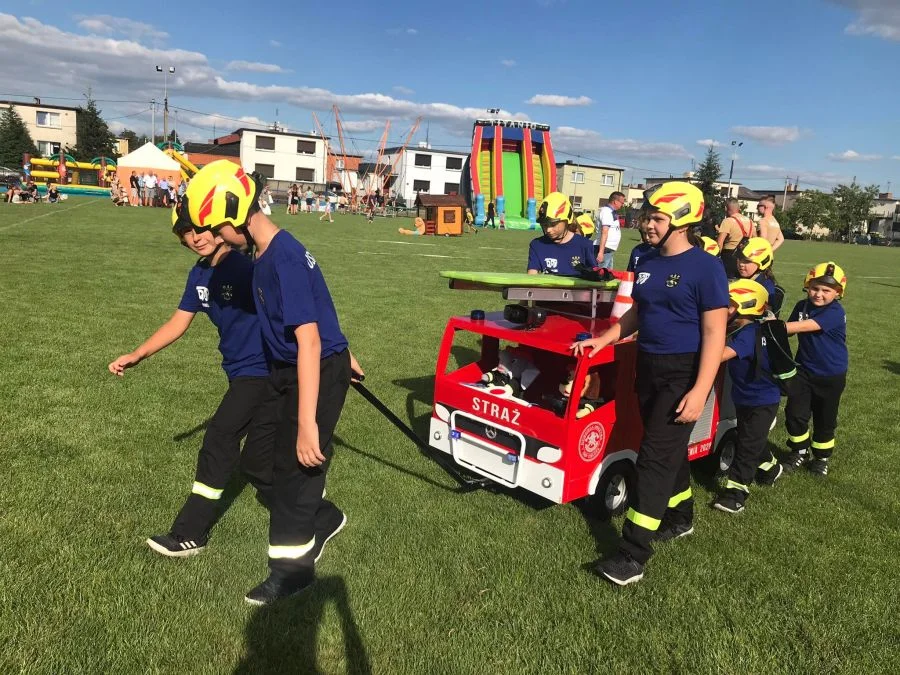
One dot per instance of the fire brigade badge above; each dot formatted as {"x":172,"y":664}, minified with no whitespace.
{"x":227,"y":292}
{"x":576,"y":260}
{"x":673,"y":280}
{"x":592,"y":440}
{"x":642,"y":277}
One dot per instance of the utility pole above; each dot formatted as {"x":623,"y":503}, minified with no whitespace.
{"x":734,"y":146}
{"x":153,"y":121}
{"x":787,"y":180}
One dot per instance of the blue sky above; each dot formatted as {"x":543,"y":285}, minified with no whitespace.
{"x":807,"y":85}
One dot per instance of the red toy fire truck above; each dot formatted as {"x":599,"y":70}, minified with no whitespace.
{"x":502,"y":416}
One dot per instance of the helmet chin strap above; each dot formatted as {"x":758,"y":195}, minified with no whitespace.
{"x":251,"y":245}
{"x":664,"y":239}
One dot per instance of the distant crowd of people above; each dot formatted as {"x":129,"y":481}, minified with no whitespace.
{"x":148,"y":189}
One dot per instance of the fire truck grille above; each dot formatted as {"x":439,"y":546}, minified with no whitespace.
{"x":484,"y":429}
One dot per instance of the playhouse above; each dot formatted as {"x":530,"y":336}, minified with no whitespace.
{"x":443,"y":214}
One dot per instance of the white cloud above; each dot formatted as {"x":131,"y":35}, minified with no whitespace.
{"x":852,"y":156}
{"x":405,"y":91}
{"x":818,"y":179}
{"x":509,"y":63}
{"x":895,"y":156}
{"x":255,"y":67}
{"x":707,"y":142}
{"x":400,"y":31}
{"x":362,"y":126}
{"x":878,"y":18}
{"x":769,"y":135}
{"x":274,"y":43}
{"x":581,"y":141}
{"x":412,"y":31}
{"x":104,"y":24}
{"x":558,"y":101}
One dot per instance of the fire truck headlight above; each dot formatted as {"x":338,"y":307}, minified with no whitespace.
{"x":549,"y":455}
{"x":442,"y":413}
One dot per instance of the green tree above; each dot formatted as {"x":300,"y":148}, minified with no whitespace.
{"x":94,"y":138}
{"x":705,"y":177}
{"x":813,"y":208}
{"x":134,"y":140}
{"x":854,"y":207}
{"x":15,"y":140}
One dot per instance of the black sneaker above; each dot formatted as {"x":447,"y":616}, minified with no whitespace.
{"x":730,"y":501}
{"x":673,"y":531}
{"x":174,"y":546}
{"x":794,"y":460}
{"x":621,"y":569}
{"x":278,"y":587}
{"x":769,"y":477}
{"x":323,"y":538}
{"x":818,"y":466}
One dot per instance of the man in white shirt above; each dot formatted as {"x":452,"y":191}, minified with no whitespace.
{"x":608,"y":234}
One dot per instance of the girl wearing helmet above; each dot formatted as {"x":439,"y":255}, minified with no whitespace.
{"x":820,"y":324}
{"x":310,"y":369}
{"x":641,"y":249}
{"x":754,"y":259}
{"x":756,"y":396}
{"x":219,"y":285}
{"x":561,"y":250}
{"x":680,"y":311}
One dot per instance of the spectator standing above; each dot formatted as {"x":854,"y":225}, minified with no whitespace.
{"x":732,"y":230}
{"x":135,"y":184}
{"x":608,"y":233}
{"x":769,"y":228}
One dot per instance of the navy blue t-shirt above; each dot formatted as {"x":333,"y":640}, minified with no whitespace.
{"x":745,"y":390}
{"x":549,"y":258}
{"x":671,"y":294}
{"x":225,"y":294}
{"x":291,"y":292}
{"x":638,"y":252}
{"x":823,"y":352}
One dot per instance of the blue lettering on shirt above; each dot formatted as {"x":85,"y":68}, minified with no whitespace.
{"x":671,"y":293}
{"x":225,"y":294}
{"x":746,"y":388}
{"x":562,"y":259}
{"x":291,"y":292}
{"x":823,"y":352}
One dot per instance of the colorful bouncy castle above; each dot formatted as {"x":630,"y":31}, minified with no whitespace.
{"x":511,"y":165}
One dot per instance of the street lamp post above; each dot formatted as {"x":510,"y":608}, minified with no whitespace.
{"x":734,"y":146}
{"x":166,"y":71}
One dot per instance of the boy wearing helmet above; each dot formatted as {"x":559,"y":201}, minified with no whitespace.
{"x":218,"y":286}
{"x":820,"y":324}
{"x":756,"y":396}
{"x":679,"y":313}
{"x":642,"y":249}
{"x":560,"y":251}
{"x":753,"y":260}
{"x":310,"y":370}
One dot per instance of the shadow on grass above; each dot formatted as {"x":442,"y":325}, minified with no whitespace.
{"x":397,"y":467}
{"x":892,"y":366}
{"x":282,"y":638}
{"x":606,"y":537}
{"x":184,"y":435}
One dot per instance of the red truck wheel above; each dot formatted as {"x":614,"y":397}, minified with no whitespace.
{"x":613,"y":490}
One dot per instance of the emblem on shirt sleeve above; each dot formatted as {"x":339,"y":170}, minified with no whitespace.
{"x":227,"y":292}
{"x":642,"y":277}
{"x":203,"y":295}
{"x":673,"y":280}
{"x":260,"y":294}
{"x":310,"y":260}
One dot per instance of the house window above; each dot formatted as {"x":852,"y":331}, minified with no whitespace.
{"x":423,"y":160}
{"x":608,"y":179}
{"x":266,"y":170}
{"x":454,"y":163}
{"x":265,"y":142}
{"x":305,"y":175}
{"x":48,"y":119}
{"x":421,"y":185}
{"x":47,"y":148}
{"x":576,"y":202}
{"x":578,"y":177}
{"x":306,"y":148}
{"x":451,"y":188}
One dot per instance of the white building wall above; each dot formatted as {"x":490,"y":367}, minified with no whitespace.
{"x":57,"y":126}
{"x":437,"y":175}
{"x":284,"y":158}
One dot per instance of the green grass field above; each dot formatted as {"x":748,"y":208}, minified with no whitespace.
{"x":423,"y":579}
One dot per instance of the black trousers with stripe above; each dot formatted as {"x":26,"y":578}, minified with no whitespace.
{"x":817,"y":397}
{"x":245,"y":410}
{"x":753,"y":424}
{"x":299,"y":511}
{"x":662,"y":482}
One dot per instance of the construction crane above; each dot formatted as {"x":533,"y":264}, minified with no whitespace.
{"x":392,"y":171}
{"x":328,"y":154}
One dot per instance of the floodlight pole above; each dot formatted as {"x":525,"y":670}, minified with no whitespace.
{"x":165,"y":71}
{"x":734,"y":146}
